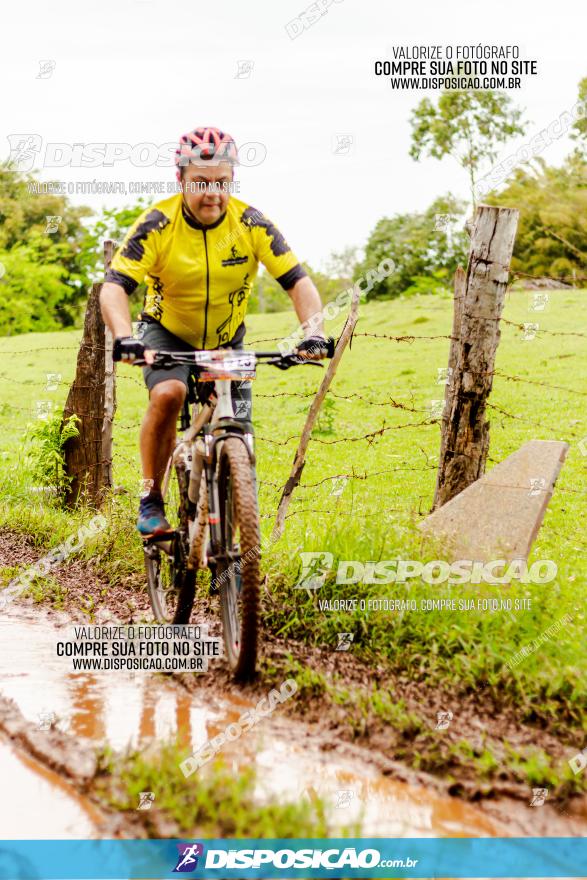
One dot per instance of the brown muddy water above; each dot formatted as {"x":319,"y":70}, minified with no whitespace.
{"x":125,"y":710}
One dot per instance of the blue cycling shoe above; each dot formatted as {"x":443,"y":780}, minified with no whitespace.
{"x":152,"y":519}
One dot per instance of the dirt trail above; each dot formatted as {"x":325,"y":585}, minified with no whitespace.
{"x":294,"y":759}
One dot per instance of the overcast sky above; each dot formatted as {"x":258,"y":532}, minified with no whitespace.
{"x":144,"y":71}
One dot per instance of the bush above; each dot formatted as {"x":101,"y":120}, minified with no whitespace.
{"x":420,"y":244}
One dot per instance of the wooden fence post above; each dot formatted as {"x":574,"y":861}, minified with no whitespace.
{"x":109,"y":386}
{"x":479,"y":299}
{"x":88,"y":457}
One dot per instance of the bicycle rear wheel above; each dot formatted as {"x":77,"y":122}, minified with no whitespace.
{"x":170,"y":584}
{"x":237,"y":574}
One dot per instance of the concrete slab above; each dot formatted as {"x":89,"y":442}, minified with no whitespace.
{"x":499,"y":515}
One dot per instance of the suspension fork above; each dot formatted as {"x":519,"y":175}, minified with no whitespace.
{"x":210,"y":467}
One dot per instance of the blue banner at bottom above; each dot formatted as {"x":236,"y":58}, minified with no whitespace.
{"x":290,"y":858}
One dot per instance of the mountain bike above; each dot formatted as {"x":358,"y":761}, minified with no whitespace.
{"x":210,"y":495}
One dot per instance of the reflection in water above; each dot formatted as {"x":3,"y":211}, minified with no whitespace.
{"x":147,"y":723}
{"x":135,"y":710}
{"x":87,"y":707}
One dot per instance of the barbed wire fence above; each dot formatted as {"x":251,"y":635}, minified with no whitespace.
{"x":420,"y":417}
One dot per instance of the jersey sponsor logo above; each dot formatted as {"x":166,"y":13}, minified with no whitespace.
{"x":236,"y":298}
{"x":157,"y":304}
{"x":235,"y":258}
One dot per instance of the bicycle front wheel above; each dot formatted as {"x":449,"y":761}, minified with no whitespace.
{"x":238,"y":561}
{"x":171,"y":585}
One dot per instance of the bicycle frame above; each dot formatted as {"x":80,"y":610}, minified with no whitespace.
{"x":215,"y":422}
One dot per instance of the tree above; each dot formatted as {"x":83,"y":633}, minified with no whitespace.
{"x":467,"y":125}
{"x":551,"y":239}
{"x":24,"y":221}
{"x":41,"y":243}
{"x":341,"y":264}
{"x":580,"y":126}
{"x":267,"y":295}
{"x":422,"y":245}
{"x":113,"y":223}
{"x":34,"y":295}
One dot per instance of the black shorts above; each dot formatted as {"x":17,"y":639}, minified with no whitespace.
{"x":155,"y":336}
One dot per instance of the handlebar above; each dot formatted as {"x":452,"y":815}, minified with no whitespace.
{"x":281,"y":360}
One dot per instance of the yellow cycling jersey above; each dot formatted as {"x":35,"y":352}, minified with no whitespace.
{"x":199,"y":278}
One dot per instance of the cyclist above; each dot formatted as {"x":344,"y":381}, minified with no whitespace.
{"x":198,"y":252}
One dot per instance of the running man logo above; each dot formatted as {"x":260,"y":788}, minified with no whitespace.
{"x":529,"y":331}
{"x":344,"y":641}
{"x":146,"y":799}
{"x":244,"y":68}
{"x":46,"y":68}
{"x":47,"y":720}
{"x":315,"y":568}
{"x":24,"y":149}
{"x":537,"y":485}
{"x":242,"y":409}
{"x":344,"y":798}
{"x":188,"y":857}
{"x":443,"y":720}
{"x":539,"y":795}
{"x":53,"y":221}
{"x":443,"y":222}
{"x":579,"y":762}
{"x":342,"y":144}
{"x":538,"y":302}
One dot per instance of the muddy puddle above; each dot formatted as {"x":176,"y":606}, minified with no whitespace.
{"x":135,"y":710}
{"x":42,"y":804}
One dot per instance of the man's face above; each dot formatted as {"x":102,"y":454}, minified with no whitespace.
{"x":205,"y":189}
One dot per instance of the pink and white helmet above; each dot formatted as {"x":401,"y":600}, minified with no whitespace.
{"x":205,"y":143}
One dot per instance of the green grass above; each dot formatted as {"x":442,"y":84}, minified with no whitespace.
{"x":390,"y":485}
{"x":46,"y":590}
{"x":217,"y":802}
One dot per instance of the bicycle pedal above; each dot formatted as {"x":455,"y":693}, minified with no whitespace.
{"x":159,"y":537}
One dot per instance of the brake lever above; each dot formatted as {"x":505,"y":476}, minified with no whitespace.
{"x":292,"y":360}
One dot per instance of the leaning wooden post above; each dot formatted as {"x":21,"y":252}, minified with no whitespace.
{"x":479,"y":300}
{"x":84,"y":455}
{"x":300,"y":456}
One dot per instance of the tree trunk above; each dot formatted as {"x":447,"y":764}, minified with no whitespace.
{"x":92,"y":397}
